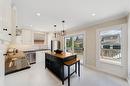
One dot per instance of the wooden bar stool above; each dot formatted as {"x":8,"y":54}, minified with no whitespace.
{"x":69,"y":64}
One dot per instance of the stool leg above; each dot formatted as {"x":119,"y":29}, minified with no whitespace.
{"x":76,"y":68}
{"x":68,"y":75}
{"x":79,"y":68}
{"x":62,"y":75}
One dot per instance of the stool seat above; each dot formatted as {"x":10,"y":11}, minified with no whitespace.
{"x":71,"y":62}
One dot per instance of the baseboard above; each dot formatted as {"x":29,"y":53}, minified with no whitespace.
{"x":96,"y":69}
{"x":17,"y":70}
{"x":91,"y":67}
{"x":32,"y":63}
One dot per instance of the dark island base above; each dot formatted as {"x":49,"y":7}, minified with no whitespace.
{"x":55,"y":63}
{"x":17,"y":70}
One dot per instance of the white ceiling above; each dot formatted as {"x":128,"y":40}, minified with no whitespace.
{"x":74,"y":12}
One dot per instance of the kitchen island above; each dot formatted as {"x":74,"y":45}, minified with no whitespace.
{"x":55,"y":63}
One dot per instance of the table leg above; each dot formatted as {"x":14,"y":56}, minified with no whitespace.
{"x":63,"y":75}
{"x":68,"y":75}
{"x":79,"y":68}
{"x":76,"y":68}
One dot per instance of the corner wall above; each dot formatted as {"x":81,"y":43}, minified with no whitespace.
{"x":129,"y":49}
{"x":90,"y":54}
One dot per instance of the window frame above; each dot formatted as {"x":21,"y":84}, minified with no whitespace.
{"x":98,"y":44}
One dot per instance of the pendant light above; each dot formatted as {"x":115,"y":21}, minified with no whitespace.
{"x":55,"y":34}
{"x":63,"y":33}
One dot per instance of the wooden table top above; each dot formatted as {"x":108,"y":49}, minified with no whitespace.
{"x":62,"y":56}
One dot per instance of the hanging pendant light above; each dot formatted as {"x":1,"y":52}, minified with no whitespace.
{"x":55,"y":34}
{"x":63,"y":33}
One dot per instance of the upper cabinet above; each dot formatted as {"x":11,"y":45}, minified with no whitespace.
{"x":1,"y":3}
{"x":27,"y":36}
{"x":24,"y":37}
{"x":6,"y":16}
{"x":5,"y":20}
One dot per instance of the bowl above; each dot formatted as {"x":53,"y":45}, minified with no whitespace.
{"x":58,"y":51}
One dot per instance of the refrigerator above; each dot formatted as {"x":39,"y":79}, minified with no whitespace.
{"x":55,"y":44}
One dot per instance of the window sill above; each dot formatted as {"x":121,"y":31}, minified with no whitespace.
{"x":111,"y":62}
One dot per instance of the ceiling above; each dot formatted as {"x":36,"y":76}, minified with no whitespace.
{"x":74,"y":12}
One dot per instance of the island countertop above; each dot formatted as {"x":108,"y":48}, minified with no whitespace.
{"x":55,"y":63}
{"x":62,"y":55}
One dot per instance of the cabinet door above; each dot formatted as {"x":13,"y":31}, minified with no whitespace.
{"x":1,"y":13}
{"x":2,"y":68}
{"x":27,"y":37}
{"x":3,"y":49}
{"x":5,"y":19}
{"x":1,"y":63}
{"x":6,"y":15}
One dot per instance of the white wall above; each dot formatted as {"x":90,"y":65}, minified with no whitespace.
{"x":120,"y":71}
{"x":129,"y":48}
{"x":111,"y":67}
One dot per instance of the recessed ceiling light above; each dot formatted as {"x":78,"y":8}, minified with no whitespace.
{"x":38,"y":14}
{"x":93,"y":14}
{"x":30,"y":25}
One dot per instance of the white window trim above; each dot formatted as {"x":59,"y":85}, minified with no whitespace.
{"x":84,"y":41}
{"x":123,"y":40}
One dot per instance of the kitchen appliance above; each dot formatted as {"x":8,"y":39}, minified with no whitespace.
{"x":55,"y":45}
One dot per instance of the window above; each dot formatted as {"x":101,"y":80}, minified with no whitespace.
{"x":110,"y":45}
{"x":75,"y":44}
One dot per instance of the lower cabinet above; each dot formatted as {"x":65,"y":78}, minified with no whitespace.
{"x":31,"y":57}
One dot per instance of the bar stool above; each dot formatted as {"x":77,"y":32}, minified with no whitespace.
{"x":69,"y":64}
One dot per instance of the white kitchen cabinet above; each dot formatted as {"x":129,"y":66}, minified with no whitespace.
{"x":40,"y":56}
{"x":5,"y":20}
{"x":3,"y":49}
{"x":2,"y":68}
{"x":5,"y":15}
{"x":27,"y":37}
{"x":1,"y":13}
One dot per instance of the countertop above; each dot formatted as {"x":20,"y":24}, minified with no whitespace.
{"x":35,"y":50}
{"x":61,"y":56}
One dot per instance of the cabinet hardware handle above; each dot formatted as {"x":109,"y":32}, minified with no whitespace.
{"x":4,"y":54}
{"x":10,"y":34}
{"x":4,"y":29}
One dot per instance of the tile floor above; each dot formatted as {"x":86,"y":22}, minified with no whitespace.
{"x":37,"y":75}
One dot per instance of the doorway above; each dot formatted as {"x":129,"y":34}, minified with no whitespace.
{"x":75,"y":44}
